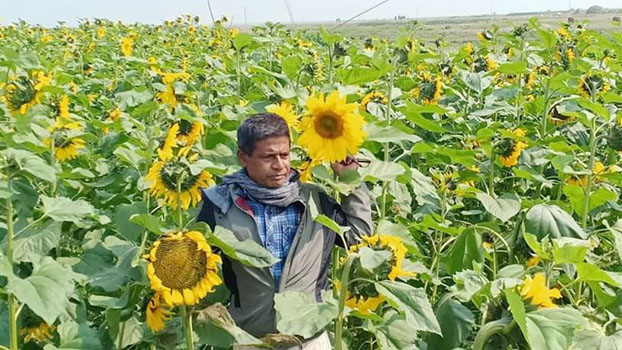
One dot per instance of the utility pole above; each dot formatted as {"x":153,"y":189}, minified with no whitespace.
{"x":289,"y":11}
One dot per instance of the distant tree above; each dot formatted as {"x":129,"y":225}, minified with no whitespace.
{"x":595,"y":10}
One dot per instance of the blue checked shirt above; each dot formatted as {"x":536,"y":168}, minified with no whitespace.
{"x":277,"y":227}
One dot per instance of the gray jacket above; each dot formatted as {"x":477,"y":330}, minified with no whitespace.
{"x":306,"y":266}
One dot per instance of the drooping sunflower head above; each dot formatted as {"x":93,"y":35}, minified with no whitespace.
{"x":485,"y":35}
{"x":510,"y":149}
{"x":376,"y":97}
{"x":593,"y":85}
{"x":285,"y":110}
{"x":430,"y":89}
{"x":41,"y":333}
{"x":392,"y":268}
{"x":331,"y":129}
{"x":21,"y":95}
{"x":182,"y":269}
{"x":306,"y":170}
{"x":614,"y":136}
{"x":559,"y":118}
{"x":166,"y":176}
{"x":165,"y":151}
{"x":64,"y":140}
{"x":156,"y":313}
{"x":189,"y":132}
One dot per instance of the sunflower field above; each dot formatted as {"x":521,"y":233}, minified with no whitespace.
{"x":494,"y":170}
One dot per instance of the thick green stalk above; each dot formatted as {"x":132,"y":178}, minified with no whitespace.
{"x":387,"y":155}
{"x":9,"y":254}
{"x":345,"y":278}
{"x":121,"y":335}
{"x":187,"y":317}
{"x":482,"y":338}
{"x":590,"y":178}
{"x":491,"y":173}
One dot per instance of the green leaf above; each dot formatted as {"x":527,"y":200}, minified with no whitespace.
{"x":329,"y":38}
{"x":121,"y":218}
{"x":552,"y":329}
{"x":414,"y":114}
{"x":298,"y":314}
{"x":590,"y":339}
{"x":465,"y":250}
{"x":476,"y":82}
{"x":35,"y":243}
{"x":517,"y":308}
{"x":32,"y":164}
{"x":592,"y":273}
{"x":544,"y":219}
{"x":503,"y":208}
{"x":215,"y":327}
{"x":532,"y":242}
{"x":468,"y":283}
{"x":616,"y":231}
{"x":133,"y":98}
{"x":247,"y":252}
{"x":132,"y":333}
{"x":395,"y":333}
{"x":381,"y":171}
{"x":46,"y":291}
{"x":513,"y":68}
{"x":372,"y":259}
{"x":358,"y":75}
{"x":148,"y":222}
{"x":388,"y":134}
{"x":569,"y":250}
{"x":331,"y":224}
{"x":456,"y":322}
{"x":291,"y":65}
{"x":412,"y":302}
{"x":75,"y":336}
{"x":65,"y":209}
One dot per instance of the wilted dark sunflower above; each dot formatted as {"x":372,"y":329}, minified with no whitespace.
{"x":614,"y":137}
{"x":593,"y":85}
{"x":559,"y":118}
{"x":182,"y":268}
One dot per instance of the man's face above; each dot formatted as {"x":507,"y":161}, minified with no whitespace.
{"x":269,"y":164}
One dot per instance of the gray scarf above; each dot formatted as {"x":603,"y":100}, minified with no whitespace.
{"x":279,"y":197}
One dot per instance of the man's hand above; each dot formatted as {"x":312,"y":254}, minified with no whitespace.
{"x":349,"y":163}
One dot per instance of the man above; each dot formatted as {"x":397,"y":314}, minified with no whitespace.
{"x":265,"y":202}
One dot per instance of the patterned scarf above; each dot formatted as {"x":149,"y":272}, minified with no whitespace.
{"x":279,"y":197}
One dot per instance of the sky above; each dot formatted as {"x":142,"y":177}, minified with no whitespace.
{"x":49,"y":12}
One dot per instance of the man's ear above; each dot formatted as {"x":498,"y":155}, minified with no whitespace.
{"x":242,"y":158}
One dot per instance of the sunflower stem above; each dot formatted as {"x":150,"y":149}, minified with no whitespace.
{"x":121,"y":335}
{"x":387,"y":154}
{"x":491,"y":171}
{"x":187,"y":317}
{"x":179,"y":206}
{"x":9,"y":254}
{"x":345,"y":278}
{"x":590,"y":178}
{"x":503,"y":326}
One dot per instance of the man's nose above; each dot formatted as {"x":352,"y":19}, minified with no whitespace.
{"x":279,"y":163}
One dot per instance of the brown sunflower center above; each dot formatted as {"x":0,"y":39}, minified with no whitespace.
{"x":329,"y":126}
{"x":507,"y":147}
{"x":179,"y":264}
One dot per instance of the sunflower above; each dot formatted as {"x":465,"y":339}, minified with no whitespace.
{"x":536,"y":290}
{"x":63,"y":107}
{"x":115,"y":114}
{"x":39,"y":333}
{"x":530,"y":80}
{"x":533,"y":261}
{"x":393,"y":244}
{"x":165,"y":151}
{"x":376,"y":96}
{"x":156,"y":314}
{"x":101,"y":32}
{"x":511,"y":149}
{"x":614,"y":136}
{"x":189,"y":132}
{"x":364,"y":304}
{"x":331,"y":129}
{"x":25,"y":92}
{"x":558,"y":118}
{"x":182,"y":268}
{"x":306,"y":170}
{"x":64,"y":141}
{"x":127,"y":46}
{"x":593,"y":85}
{"x":164,"y":176}
{"x":286,"y":111}
{"x":168,"y":96}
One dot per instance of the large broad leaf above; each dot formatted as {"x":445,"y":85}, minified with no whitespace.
{"x":395,"y":333}
{"x":215,"y":327}
{"x":456,"y":322}
{"x":242,"y":40}
{"x":417,"y":117}
{"x":299,"y":314}
{"x":371,"y":259}
{"x":569,"y":250}
{"x":46,"y":291}
{"x":468,"y":283}
{"x":32,"y":164}
{"x":121,"y":218}
{"x":35,"y":243}
{"x":517,"y":308}
{"x":133,"y":331}
{"x":412,"y":302}
{"x":598,"y":198}
{"x":503,"y":208}
{"x":513,"y":68}
{"x":616,"y":230}
{"x":75,"y":336}
{"x":247,"y":252}
{"x":381,"y":171}
{"x":65,"y":209}
{"x":358,"y":75}
{"x":477,"y":82}
{"x":545,"y":219}
{"x":592,"y":273}
{"x":589,"y":339}
{"x":388,"y":134}
{"x":423,"y":187}
{"x":552,"y":329}
{"x":465,"y":250}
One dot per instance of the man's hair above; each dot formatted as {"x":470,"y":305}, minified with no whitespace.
{"x":259,"y":127}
